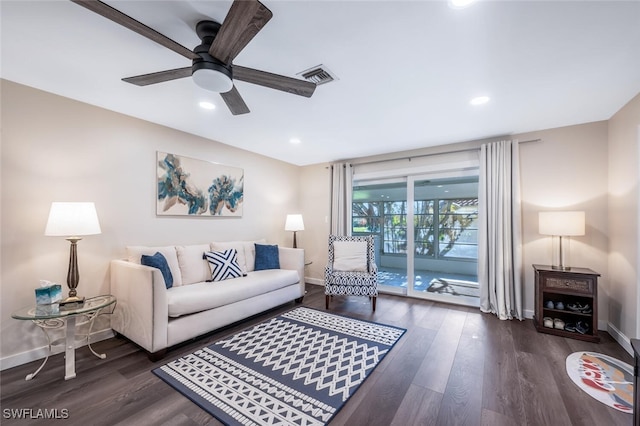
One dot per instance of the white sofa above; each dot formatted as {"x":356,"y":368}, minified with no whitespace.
{"x":156,"y":317}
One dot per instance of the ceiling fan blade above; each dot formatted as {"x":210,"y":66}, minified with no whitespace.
{"x":130,"y":23}
{"x":244,"y":20}
{"x":274,"y":81}
{"x":235,"y":102}
{"x":159,"y":77}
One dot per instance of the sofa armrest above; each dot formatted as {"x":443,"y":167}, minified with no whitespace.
{"x":291,"y":258}
{"x":141,"y":313}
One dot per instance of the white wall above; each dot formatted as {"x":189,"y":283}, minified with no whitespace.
{"x":57,"y":149}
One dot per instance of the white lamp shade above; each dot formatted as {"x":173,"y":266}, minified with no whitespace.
{"x":72,"y":219}
{"x":294,"y":223}
{"x":561,"y":223}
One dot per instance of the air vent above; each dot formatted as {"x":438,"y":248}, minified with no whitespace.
{"x":318,"y":75}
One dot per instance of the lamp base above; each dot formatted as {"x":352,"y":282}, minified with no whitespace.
{"x":72,"y":300}
{"x":561,"y":267}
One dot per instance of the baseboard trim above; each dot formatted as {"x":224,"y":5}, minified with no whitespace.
{"x":315,"y":281}
{"x":619,"y":337}
{"x":41,"y":352}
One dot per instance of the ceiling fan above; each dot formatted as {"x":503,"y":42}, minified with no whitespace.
{"x":212,"y":66}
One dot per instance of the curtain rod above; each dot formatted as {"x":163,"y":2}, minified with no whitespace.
{"x":431,"y":154}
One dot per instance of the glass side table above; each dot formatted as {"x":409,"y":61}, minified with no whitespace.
{"x":54,"y":316}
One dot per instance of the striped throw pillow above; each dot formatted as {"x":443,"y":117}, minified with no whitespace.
{"x":223,"y":264}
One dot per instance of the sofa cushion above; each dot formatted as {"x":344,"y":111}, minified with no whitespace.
{"x":193,"y":267}
{"x":240,"y":255}
{"x":350,"y":256}
{"x":223,"y":264}
{"x":158,"y":261}
{"x":250,"y":253}
{"x":267,"y":257}
{"x":134,"y":253}
{"x":203,"y":296}
{"x":246,"y":252}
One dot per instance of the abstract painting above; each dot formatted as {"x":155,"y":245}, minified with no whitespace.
{"x":191,"y":187}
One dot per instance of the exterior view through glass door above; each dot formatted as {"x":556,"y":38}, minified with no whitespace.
{"x":380,"y":209}
{"x":426,"y":235}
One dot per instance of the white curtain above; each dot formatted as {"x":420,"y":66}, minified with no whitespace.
{"x":500,"y":231}
{"x":341,"y":185}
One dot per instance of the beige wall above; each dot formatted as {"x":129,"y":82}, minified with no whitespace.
{"x":57,"y":149}
{"x":567,"y":169}
{"x":624,"y":213}
{"x":315,"y":199}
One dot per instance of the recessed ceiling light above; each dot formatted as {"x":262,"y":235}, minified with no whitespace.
{"x":460,"y":4}
{"x":480,"y":100}
{"x":294,"y":141}
{"x":206,"y":105}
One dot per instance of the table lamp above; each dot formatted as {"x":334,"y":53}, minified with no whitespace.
{"x":294,"y":223}
{"x":72,"y":220}
{"x":561,"y":225}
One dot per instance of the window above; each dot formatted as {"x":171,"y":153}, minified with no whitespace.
{"x":394,"y":227}
{"x":423,"y":220}
{"x":365,"y":218}
{"x":458,"y":228}
{"x":444,"y":228}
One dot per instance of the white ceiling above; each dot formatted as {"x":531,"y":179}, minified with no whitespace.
{"x":406,"y":69}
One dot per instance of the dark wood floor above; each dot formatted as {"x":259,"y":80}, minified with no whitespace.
{"x":454,"y":366}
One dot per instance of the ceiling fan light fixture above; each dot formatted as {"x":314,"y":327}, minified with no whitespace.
{"x":211,"y":76}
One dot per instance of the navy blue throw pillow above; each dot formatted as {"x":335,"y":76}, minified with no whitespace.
{"x":158,"y":261}
{"x":267,"y":257}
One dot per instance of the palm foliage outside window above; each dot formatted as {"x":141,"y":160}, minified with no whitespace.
{"x":443,"y":228}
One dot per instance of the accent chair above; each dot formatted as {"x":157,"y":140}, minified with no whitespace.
{"x":351,"y":268}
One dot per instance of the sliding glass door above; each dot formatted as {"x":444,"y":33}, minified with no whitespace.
{"x":445,"y":239}
{"x":380,"y":209}
{"x":426,"y":235}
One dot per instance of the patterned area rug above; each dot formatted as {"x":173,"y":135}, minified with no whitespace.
{"x":298,"y":368}
{"x":607,"y":379}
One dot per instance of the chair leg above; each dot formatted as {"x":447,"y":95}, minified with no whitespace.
{"x":326,"y":300}
{"x":374,"y":303}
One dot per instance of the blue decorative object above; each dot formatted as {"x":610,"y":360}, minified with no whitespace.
{"x":223,"y":264}
{"x":298,"y":368}
{"x":51,"y":293}
{"x":159,"y":261}
{"x":267,"y":257}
